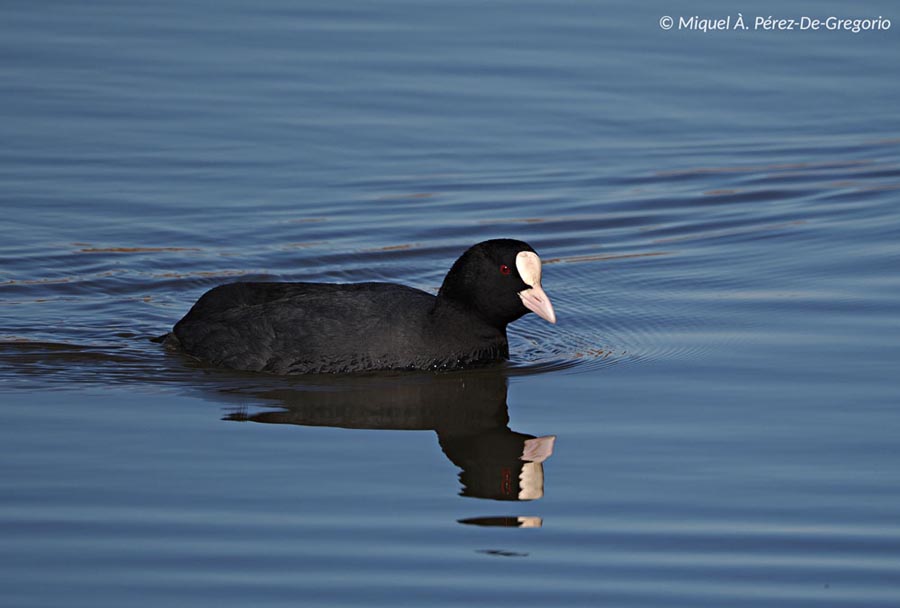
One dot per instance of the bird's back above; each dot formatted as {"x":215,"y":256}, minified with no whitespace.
{"x":288,"y":328}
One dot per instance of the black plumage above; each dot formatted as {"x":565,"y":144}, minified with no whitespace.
{"x":301,"y":328}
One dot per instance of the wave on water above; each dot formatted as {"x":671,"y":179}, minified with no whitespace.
{"x":661,"y":265}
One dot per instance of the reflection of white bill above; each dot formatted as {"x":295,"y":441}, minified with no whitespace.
{"x":530,"y":522}
{"x":531,"y":481}
{"x":538,"y":449}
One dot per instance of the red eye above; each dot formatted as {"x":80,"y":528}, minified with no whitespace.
{"x":504,"y":269}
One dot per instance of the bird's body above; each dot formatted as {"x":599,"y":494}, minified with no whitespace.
{"x":301,"y":328}
{"x":290,"y":328}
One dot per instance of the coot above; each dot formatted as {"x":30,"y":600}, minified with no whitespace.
{"x":303,"y":328}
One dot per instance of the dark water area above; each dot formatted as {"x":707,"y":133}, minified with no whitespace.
{"x":712,"y":422}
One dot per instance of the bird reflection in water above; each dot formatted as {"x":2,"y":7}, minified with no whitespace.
{"x":467,"y":410}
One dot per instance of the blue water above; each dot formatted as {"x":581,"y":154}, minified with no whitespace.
{"x":713,"y":421}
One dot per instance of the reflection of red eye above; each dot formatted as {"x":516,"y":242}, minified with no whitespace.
{"x":504,"y":269}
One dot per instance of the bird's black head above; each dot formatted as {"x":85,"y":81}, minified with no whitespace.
{"x":500,"y":280}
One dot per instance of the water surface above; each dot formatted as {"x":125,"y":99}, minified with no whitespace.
{"x":712,"y":422}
